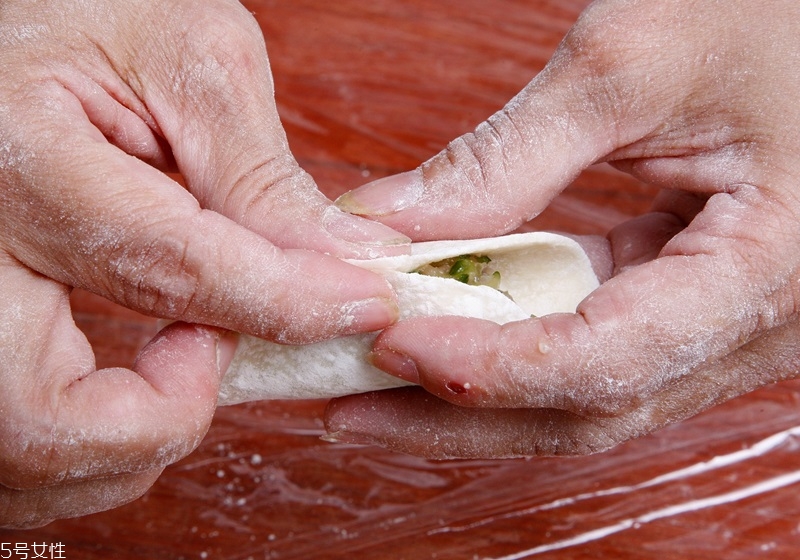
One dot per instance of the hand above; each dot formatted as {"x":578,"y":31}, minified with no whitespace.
{"x":696,"y":97}
{"x":97,"y":101}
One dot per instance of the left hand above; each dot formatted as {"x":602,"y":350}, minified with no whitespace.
{"x":97,"y":100}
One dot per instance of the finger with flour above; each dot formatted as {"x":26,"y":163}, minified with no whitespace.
{"x":692,"y":97}
{"x":68,"y":429}
{"x":536,"y":273}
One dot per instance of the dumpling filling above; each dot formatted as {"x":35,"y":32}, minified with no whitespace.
{"x":474,"y":270}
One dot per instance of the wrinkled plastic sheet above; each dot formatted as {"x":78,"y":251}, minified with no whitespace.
{"x":263,"y":485}
{"x":721,"y":485}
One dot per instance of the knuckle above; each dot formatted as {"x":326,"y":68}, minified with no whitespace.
{"x":160,"y":275}
{"x":480,"y":157}
{"x":223,"y":26}
{"x":474,"y":171}
{"x":616,"y":63}
{"x":486,"y":173}
{"x":265,"y":187}
{"x":296,"y":314}
{"x":218,"y":48}
{"x":609,"y":35}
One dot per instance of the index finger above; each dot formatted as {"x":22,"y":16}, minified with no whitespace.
{"x":113,"y":225}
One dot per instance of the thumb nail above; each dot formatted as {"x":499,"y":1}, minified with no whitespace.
{"x":384,"y":196}
{"x":225,"y":344}
{"x":226,"y":348}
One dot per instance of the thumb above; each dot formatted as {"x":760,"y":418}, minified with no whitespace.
{"x":584,"y":105}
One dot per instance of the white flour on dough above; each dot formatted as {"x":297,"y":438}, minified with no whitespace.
{"x":541,"y":272}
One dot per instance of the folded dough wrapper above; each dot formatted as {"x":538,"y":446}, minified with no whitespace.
{"x":542,"y":273}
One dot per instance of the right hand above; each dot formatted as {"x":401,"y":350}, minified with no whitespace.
{"x":97,"y":100}
{"x":697,"y":97}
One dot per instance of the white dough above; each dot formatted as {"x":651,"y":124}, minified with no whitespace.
{"x":542,"y":272}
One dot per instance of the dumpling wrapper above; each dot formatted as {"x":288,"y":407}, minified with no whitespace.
{"x":542,"y":272}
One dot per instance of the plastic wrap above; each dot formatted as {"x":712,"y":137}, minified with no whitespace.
{"x":367,"y":89}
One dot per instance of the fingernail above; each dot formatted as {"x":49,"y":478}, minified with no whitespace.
{"x":354,"y":229}
{"x":226,"y":348}
{"x":395,"y":364}
{"x":225,"y":344}
{"x":370,"y":315}
{"x":384,"y":196}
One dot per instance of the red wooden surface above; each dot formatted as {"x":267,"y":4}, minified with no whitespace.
{"x":371,"y":88}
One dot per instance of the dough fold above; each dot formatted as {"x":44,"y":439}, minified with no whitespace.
{"x":542,"y":273}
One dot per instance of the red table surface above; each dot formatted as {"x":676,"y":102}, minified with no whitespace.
{"x":366,"y":89}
